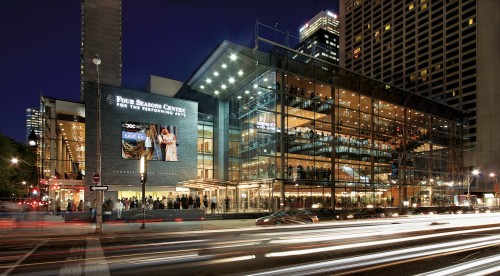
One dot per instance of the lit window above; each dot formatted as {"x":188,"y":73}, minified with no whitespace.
{"x":358,"y":38}
{"x":471,"y":21}
{"x":387,"y":27}
{"x":411,"y":6}
{"x":377,"y":33}
{"x":356,"y":52}
{"x":412,"y":77}
{"x":423,"y":72}
{"x":369,"y":26}
{"x":423,"y":7}
{"x":423,"y":1}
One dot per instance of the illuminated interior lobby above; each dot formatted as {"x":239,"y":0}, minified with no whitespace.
{"x":304,"y":133}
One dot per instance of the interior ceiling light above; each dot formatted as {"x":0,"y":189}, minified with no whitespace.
{"x":224,"y":66}
{"x":209,"y":81}
{"x":232,"y":57}
{"x":216,"y":73}
{"x":231,"y":80}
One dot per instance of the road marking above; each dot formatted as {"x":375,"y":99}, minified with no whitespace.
{"x":23,"y":258}
{"x":75,"y":267}
{"x":95,"y":262}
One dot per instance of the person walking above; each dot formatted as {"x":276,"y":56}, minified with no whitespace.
{"x":226,"y":201}
{"x":119,"y":208}
{"x":213,"y":204}
{"x":205,"y":202}
{"x":80,"y":206}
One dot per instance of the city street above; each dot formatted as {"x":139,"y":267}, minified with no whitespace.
{"x":401,"y":246}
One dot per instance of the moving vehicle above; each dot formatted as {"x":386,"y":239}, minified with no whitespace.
{"x":300,"y":216}
{"x":370,"y":213}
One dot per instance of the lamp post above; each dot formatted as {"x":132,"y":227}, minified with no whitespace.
{"x":474,"y":173}
{"x":98,"y":226}
{"x":495,"y":187}
{"x":144,"y":176}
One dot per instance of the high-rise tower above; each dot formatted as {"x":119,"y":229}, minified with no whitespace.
{"x":445,"y":50}
{"x":320,"y":37}
{"x":101,"y":32}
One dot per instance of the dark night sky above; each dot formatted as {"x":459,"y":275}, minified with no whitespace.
{"x":39,"y":48}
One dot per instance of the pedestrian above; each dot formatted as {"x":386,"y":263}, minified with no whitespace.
{"x":69,"y":207}
{"x":119,"y":208}
{"x":80,"y":206}
{"x":226,"y":201}
{"x":190,"y":202}
{"x":213,"y":204}
{"x":197,"y":201}
{"x":205,"y":202}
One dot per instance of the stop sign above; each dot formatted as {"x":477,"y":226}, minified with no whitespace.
{"x":96,"y":178}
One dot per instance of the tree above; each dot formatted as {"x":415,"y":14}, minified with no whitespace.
{"x":12,"y":175}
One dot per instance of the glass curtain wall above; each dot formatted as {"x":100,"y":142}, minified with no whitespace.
{"x":205,"y":146}
{"x":330,"y":138}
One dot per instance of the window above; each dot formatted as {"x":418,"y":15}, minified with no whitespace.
{"x":411,"y":7}
{"x":387,"y":27}
{"x":356,"y":52}
{"x":423,"y":7}
{"x":471,"y":21}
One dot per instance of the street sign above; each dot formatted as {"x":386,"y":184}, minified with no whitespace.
{"x":98,"y":188}
{"x":96,"y":178}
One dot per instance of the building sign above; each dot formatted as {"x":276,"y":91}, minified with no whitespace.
{"x":138,"y":104}
{"x":266,"y":126}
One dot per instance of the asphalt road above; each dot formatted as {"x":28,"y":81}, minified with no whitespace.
{"x":463,"y":244}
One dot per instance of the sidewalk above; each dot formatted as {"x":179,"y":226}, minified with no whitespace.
{"x":47,"y":225}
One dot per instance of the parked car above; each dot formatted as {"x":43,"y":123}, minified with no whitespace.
{"x":300,"y":216}
{"x":370,"y":213}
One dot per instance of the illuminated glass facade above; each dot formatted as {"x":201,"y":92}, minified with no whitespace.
{"x":313,"y":134}
{"x":336,"y":133}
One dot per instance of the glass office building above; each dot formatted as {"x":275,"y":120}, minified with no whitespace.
{"x":313,"y":134}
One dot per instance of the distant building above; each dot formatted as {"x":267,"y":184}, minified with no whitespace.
{"x":319,"y":37}
{"x":101,"y":32}
{"x":444,"y":50}
{"x":33,"y":122}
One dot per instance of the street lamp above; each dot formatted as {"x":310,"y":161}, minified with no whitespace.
{"x":16,"y":161}
{"x":143,"y":171}
{"x":98,"y":226}
{"x":474,"y":173}
{"x":495,"y":188}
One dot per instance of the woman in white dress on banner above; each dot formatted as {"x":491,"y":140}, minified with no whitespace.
{"x":171,"y":147}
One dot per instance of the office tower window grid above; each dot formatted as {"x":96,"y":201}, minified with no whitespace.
{"x":426,"y":47}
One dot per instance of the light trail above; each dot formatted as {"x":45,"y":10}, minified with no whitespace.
{"x":374,"y":243}
{"x":483,"y":266}
{"x":368,"y":260}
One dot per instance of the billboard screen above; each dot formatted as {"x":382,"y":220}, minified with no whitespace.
{"x":155,"y":141}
